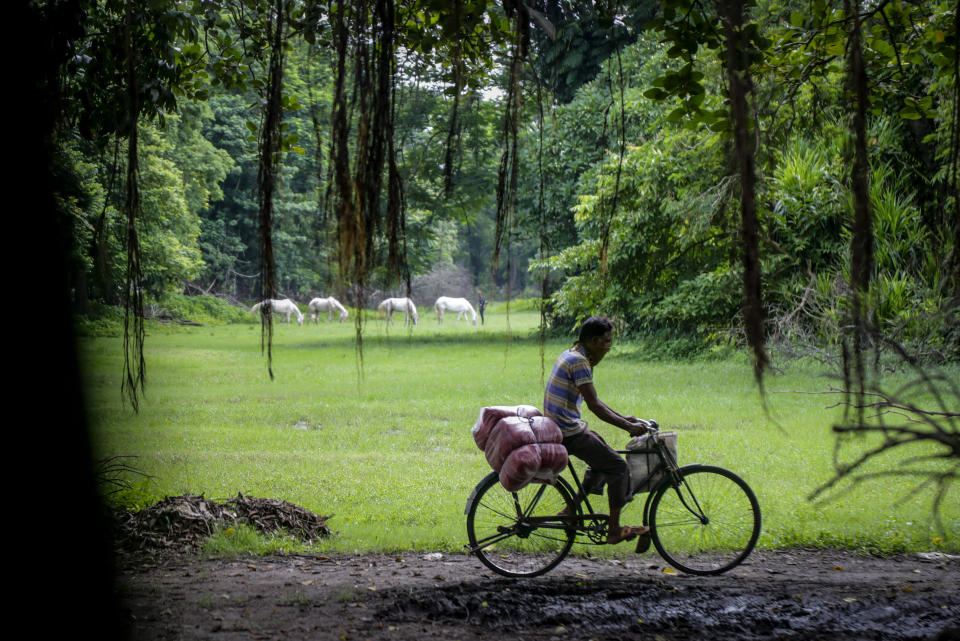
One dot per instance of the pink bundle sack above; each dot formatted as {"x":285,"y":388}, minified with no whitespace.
{"x":541,"y":462}
{"x":553,"y":460}
{"x":507,"y":435}
{"x":520,"y":467}
{"x":545,"y":430}
{"x":490,"y":415}
{"x":520,"y":444}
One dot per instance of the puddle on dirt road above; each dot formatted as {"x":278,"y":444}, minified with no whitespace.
{"x":679,"y":611}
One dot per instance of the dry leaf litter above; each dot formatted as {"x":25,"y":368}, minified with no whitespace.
{"x":186,"y":521}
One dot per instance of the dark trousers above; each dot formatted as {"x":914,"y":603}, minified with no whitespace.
{"x":605,"y":466}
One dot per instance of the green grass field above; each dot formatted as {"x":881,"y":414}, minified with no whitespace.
{"x":386,"y":449}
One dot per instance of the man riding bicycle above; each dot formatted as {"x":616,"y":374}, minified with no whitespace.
{"x":570,"y":383}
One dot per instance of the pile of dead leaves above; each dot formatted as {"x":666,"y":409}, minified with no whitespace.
{"x":186,"y":521}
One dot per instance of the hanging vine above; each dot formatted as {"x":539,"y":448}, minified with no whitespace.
{"x":544,"y":240}
{"x":453,"y":133}
{"x":396,"y":210}
{"x":507,"y":173}
{"x":861,"y":258}
{"x":621,"y":144}
{"x":134,"y":365}
{"x":954,"y":151}
{"x":322,"y":171}
{"x":740,"y":87}
{"x":269,"y":160}
{"x":386,"y":150}
{"x":370,"y":28}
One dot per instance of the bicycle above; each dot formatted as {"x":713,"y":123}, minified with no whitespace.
{"x":703,"y":519}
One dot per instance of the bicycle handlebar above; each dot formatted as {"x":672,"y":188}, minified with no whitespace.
{"x":652,"y":426}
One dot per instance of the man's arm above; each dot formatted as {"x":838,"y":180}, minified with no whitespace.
{"x":605,"y":413}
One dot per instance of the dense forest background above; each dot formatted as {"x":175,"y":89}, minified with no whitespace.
{"x":582,"y":152}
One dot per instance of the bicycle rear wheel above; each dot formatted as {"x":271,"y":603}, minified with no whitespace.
{"x":706,"y":524}
{"x":520,"y":534}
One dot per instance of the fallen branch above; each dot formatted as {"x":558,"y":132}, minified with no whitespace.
{"x":186,"y":521}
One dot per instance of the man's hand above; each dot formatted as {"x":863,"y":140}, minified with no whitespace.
{"x":638,"y":426}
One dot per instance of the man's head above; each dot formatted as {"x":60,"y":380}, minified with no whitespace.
{"x":594,"y":326}
{"x":596,"y":336}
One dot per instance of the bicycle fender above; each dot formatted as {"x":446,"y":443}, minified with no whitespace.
{"x":476,"y":490}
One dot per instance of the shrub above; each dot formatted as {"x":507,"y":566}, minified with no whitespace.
{"x":204,"y":309}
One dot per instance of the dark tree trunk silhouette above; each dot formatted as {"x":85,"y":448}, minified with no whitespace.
{"x":740,"y":87}
{"x":861,"y":258}
{"x":46,"y":32}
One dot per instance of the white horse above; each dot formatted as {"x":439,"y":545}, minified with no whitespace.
{"x":460,"y":305}
{"x":281,"y":306}
{"x":405,"y":305}
{"x":329,"y":304}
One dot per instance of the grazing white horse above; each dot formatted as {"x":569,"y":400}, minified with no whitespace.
{"x":281,"y":306}
{"x":460,"y":305}
{"x":329,"y":304}
{"x":405,"y":305}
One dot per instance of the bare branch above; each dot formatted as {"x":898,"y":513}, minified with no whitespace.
{"x":926,"y":438}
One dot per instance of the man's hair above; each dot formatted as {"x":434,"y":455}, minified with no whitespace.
{"x":594,"y":326}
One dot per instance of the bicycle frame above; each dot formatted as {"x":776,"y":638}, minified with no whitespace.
{"x":547,"y":519}
{"x":591,"y":523}
{"x":596,"y":530}
{"x":673,"y":477}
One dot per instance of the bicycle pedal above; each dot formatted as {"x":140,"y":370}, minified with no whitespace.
{"x":643,"y":543}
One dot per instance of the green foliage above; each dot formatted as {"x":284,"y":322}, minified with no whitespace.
{"x":666,"y":269}
{"x":107,"y":320}
{"x":204,"y":309}
{"x":668,"y":259}
{"x":654,"y":90}
{"x":516,"y":305}
{"x":808,"y":216}
{"x":167,"y":228}
{"x":100,"y":320}
{"x":586,"y":35}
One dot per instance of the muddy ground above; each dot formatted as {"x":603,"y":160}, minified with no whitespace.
{"x":795,"y":594}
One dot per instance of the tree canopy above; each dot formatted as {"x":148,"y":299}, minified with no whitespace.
{"x":710,"y":169}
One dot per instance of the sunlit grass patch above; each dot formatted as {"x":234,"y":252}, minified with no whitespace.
{"x":242,"y":540}
{"x":384,"y":444}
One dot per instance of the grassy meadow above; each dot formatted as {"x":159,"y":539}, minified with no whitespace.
{"x":386,"y":448}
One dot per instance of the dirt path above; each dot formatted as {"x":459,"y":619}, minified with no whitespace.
{"x":796,"y":594}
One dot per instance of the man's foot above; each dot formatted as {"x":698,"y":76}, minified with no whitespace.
{"x":627,"y":533}
{"x":643,"y":542}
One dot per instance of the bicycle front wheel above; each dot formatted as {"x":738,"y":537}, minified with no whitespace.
{"x":707,"y":523}
{"x":520,"y":534}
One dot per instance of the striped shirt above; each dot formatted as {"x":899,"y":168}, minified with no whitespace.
{"x":561,"y":399}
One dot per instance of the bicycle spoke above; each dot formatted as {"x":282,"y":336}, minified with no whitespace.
{"x":498,"y":512}
{"x":533,"y":502}
{"x":491,"y":540}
